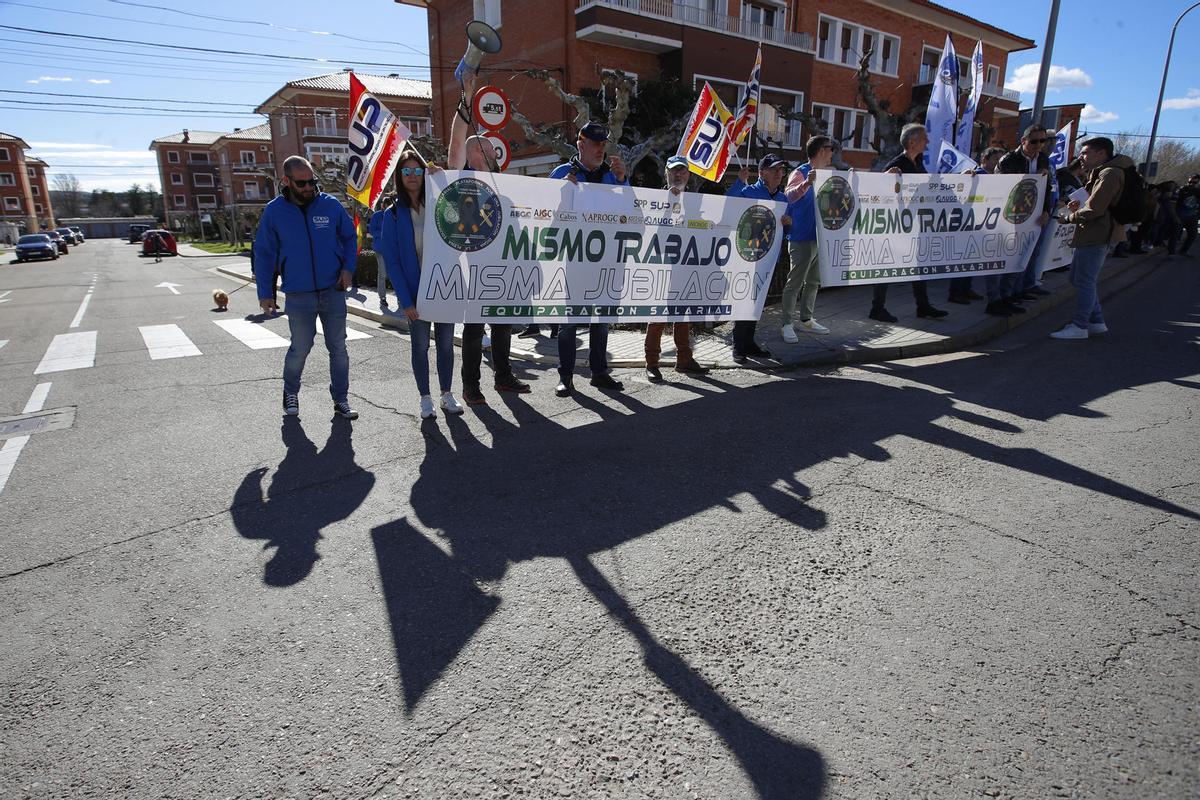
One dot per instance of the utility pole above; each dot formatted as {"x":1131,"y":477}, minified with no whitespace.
{"x":1044,"y":74}
{"x":1163,"y":88}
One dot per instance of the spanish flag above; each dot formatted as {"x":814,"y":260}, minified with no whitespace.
{"x":748,"y":111}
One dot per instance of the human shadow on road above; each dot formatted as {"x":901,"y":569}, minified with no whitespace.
{"x":309,"y":491}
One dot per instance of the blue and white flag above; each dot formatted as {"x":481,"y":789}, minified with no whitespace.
{"x":943,"y":106}
{"x":964,"y":139}
{"x":1059,"y":157}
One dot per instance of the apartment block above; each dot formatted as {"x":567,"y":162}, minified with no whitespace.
{"x":189,"y":174}
{"x":24,"y":193}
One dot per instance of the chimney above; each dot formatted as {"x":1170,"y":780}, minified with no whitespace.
{"x":393,"y":74}
{"x":235,"y":130}
{"x":187,"y":137}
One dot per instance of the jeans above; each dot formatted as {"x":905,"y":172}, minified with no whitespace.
{"x":879,"y":295}
{"x":804,"y":279}
{"x":597,"y":349}
{"x":960,"y":287}
{"x":302,"y":310}
{"x":994,"y":287}
{"x":683,"y":344}
{"x":1189,"y":227}
{"x":472,"y":352}
{"x":1085,"y":277}
{"x":381,"y":280}
{"x":418,"y":331}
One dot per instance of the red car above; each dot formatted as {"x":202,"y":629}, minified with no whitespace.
{"x":159,"y":242}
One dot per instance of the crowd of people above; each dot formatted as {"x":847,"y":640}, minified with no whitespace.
{"x":310,"y":240}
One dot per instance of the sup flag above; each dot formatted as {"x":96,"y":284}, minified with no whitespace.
{"x":964,"y":140}
{"x":375,"y":140}
{"x":706,"y":143}
{"x":943,"y":106}
{"x":747,"y":112}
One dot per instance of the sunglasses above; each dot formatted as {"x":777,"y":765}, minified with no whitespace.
{"x":407,"y":171}
{"x":299,"y":184}
{"x":1043,"y":140}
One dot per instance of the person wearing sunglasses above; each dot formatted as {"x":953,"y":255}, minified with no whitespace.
{"x":400,"y":243}
{"x":1028,"y":159}
{"x":309,"y":238}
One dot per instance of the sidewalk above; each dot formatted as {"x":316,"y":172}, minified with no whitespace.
{"x":853,"y":338}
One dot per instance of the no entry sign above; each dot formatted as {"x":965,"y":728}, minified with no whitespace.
{"x":491,"y":108}
{"x":503,"y":152}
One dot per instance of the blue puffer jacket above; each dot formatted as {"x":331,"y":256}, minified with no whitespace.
{"x":602,"y":174}
{"x":309,"y":246}
{"x":396,"y":244}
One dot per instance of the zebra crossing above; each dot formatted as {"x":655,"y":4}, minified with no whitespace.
{"x":74,"y":351}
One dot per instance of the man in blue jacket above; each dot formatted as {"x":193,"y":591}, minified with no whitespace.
{"x":769,"y":186}
{"x":310,"y":239}
{"x":588,"y":167}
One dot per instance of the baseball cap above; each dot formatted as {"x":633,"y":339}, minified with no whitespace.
{"x":771,"y":160}
{"x":594,"y":131}
{"x":676,"y":161}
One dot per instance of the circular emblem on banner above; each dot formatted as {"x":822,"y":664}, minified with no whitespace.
{"x":755,"y":232}
{"x":491,"y":108}
{"x":468,"y":215}
{"x":835,"y":203}
{"x":503,"y":151}
{"x":1022,"y":201}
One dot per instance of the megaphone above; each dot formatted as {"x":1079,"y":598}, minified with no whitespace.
{"x":481,"y":38}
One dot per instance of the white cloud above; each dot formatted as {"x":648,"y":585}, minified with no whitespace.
{"x":51,"y":78}
{"x":70,"y":146}
{"x":1191,"y":101}
{"x":99,"y":80}
{"x":1094,"y":116}
{"x":1025,"y":78}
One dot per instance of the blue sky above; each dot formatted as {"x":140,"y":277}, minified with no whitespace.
{"x":1104,"y":56}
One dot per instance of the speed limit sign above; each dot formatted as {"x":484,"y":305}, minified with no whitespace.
{"x":503,"y":153}
{"x":491,"y":108}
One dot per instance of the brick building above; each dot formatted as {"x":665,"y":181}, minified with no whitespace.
{"x":189,"y":174}
{"x":247,"y":166}
{"x":1008,"y":133}
{"x":810,"y":54}
{"x":24,"y":192}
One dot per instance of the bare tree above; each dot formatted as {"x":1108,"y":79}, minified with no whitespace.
{"x":67,"y":196}
{"x":887,"y":124}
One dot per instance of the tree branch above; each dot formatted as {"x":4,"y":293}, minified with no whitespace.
{"x":582,"y":113}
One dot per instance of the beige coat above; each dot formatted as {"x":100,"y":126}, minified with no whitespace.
{"x":1094,"y":224}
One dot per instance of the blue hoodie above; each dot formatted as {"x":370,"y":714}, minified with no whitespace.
{"x":398,"y":247}
{"x":309,"y":245}
{"x":601,"y":175}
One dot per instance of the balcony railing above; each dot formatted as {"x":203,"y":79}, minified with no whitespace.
{"x":929,"y":72}
{"x":703,"y":18}
{"x":328,"y":133}
{"x":258,"y":166}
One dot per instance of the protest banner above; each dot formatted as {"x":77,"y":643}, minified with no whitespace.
{"x":1057,"y":252}
{"x":886,"y":228}
{"x":510,"y":248}
{"x":953,"y":160}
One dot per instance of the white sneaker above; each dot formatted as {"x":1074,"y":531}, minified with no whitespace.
{"x":1097,"y":327}
{"x":1070,"y":331}
{"x":812,"y":326}
{"x":450,"y":405}
{"x":789,"y":334}
{"x":426,"y":407}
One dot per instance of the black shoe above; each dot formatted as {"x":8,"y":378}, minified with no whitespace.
{"x":998,"y":309}
{"x":1027,"y":296}
{"x":758,"y":352}
{"x":1039,"y":292}
{"x":530,"y":332}
{"x":653,"y":374}
{"x":343,"y":410}
{"x":473,"y":397}
{"x":961,"y":299}
{"x":691,"y":368}
{"x":971,"y":294}
{"x":564,"y":388}
{"x":510,"y":383}
{"x":882,"y":315}
{"x":739,"y":358}
{"x":1013,"y":307}
{"x":607,"y":382}
{"x":930,"y":312}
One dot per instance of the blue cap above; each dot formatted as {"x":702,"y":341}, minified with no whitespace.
{"x":676,"y":161}
{"x":594,"y":131}
{"x":771,"y":160}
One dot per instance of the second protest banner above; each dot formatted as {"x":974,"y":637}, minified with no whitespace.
{"x":886,"y":228}
{"x":510,"y":248}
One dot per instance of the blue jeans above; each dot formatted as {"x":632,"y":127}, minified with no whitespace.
{"x":302,"y":309}
{"x":597,"y":349}
{"x":1085,"y":277}
{"x":418,"y":331}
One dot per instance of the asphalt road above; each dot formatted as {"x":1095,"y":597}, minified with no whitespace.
{"x":963,"y":576}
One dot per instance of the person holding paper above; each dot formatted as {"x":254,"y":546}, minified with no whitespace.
{"x":804,"y":277}
{"x":588,"y":166}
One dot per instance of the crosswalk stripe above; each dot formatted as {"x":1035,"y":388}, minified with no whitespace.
{"x":13,"y":447}
{"x":256,"y":337}
{"x":351,"y":332}
{"x":69,"y":351}
{"x":167,"y":341}
{"x":3,"y":342}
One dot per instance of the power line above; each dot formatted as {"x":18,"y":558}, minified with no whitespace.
{"x":167,"y":75}
{"x":109,"y":97}
{"x":289,"y":110}
{"x":124,"y":113}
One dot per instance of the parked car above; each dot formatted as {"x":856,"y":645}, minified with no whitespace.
{"x":159,"y":240}
{"x":36,"y":245}
{"x":79,"y":234}
{"x":58,"y":240}
{"x":69,"y":235}
{"x":135,"y":232}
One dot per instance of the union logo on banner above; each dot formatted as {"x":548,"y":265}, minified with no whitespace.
{"x":375,"y":141}
{"x":706,"y":141}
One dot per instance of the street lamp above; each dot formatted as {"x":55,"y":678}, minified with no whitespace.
{"x":1163,"y":88}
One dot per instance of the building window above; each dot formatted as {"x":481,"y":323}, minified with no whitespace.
{"x":180,"y":201}
{"x":176,"y":179}
{"x":224,"y":157}
{"x":777,"y":130}
{"x":248,"y":157}
{"x":30,"y":172}
{"x":4,"y":156}
{"x":993,"y":75}
{"x":491,"y":12}
{"x":197,"y":158}
{"x":37,"y":190}
{"x":842,"y":42}
{"x":37,"y":207}
{"x":326,"y":121}
{"x":611,"y":102}
{"x":7,"y":179}
{"x":250,"y":189}
{"x":202,"y":179}
{"x":767,"y":16}
{"x":172,"y":157}
{"x":853,"y":128}
{"x":206,"y":201}
{"x":319,"y":154}
{"x":282,"y":125}
{"x":12,"y":204}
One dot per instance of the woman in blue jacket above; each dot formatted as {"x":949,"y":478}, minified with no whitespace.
{"x":400,"y":244}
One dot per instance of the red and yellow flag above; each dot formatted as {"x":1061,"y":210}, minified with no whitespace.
{"x":706,"y":143}
{"x":747,"y":112}
{"x":376,"y":138}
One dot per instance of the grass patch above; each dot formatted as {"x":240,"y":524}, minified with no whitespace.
{"x":220,"y":248}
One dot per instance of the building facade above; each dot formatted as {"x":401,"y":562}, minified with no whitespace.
{"x":189,"y":173}
{"x":246,"y":164}
{"x":24,"y":193}
{"x":811,"y":52}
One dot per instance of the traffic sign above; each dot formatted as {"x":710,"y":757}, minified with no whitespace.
{"x":503,"y":153}
{"x":491,"y":108}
